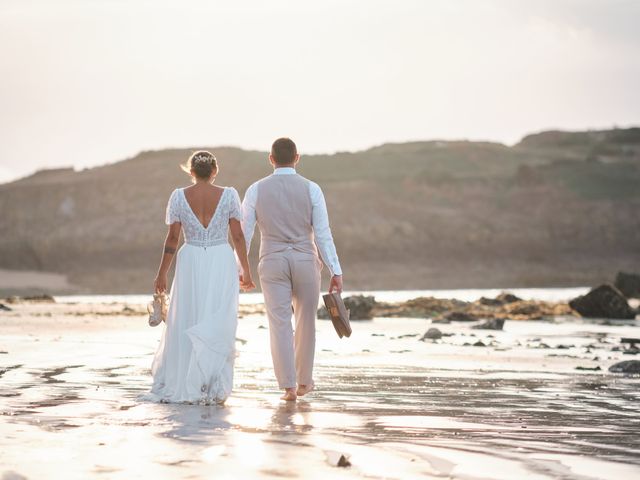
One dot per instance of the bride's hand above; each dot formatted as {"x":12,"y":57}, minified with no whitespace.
{"x":246,"y":282}
{"x":160,"y":284}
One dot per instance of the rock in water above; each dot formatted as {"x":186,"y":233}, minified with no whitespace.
{"x":458,"y":316}
{"x":338,"y":459}
{"x":628,"y":366}
{"x":432,"y":334}
{"x":360,"y":307}
{"x":323,"y":313}
{"x":628,"y":284}
{"x":605,"y":301}
{"x":493,"y":324}
{"x":506,"y":297}
{"x":492,"y":302}
{"x":421,"y":307}
{"x":503,"y":299}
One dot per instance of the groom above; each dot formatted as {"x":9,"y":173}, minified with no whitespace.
{"x":291,"y":213}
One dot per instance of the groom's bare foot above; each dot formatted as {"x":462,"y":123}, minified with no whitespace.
{"x":289,"y":395}
{"x":304,"y":389}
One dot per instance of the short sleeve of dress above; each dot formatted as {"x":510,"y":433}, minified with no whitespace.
{"x":173,"y":209}
{"x":235,"y":210}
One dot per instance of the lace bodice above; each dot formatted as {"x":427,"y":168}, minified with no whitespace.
{"x":216,"y":233}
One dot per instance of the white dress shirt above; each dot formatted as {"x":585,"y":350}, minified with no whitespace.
{"x":319,"y":220}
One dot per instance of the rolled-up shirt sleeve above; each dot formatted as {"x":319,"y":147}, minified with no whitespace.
{"x":322,"y":230}
{"x":249,"y":213}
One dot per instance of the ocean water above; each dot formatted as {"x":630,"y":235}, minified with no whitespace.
{"x":469,"y":295}
{"x":534,"y":401}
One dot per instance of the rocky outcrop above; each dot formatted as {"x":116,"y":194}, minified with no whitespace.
{"x":502,"y":299}
{"x":360,"y":308}
{"x":460,"y":316}
{"x":444,"y":310}
{"x":628,"y":366}
{"x":628,"y":284}
{"x":421,"y":307}
{"x":506,"y":297}
{"x":516,"y":310}
{"x":491,"y":302}
{"x":605,"y":301}
{"x":505,"y":306}
{"x":33,"y":298}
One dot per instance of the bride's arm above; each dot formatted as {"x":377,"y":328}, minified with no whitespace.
{"x":170,"y":246}
{"x":237,"y":236}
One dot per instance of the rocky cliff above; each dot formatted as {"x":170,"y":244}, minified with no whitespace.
{"x":559,"y":208}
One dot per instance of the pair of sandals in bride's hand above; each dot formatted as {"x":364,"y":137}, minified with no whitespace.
{"x":246,"y":283}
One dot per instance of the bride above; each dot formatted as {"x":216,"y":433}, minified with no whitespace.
{"x":194,"y":361}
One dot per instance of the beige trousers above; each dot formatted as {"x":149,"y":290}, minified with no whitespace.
{"x":291,"y":280}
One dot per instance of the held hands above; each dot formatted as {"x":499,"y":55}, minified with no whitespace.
{"x":336,"y":284}
{"x":246,"y":282}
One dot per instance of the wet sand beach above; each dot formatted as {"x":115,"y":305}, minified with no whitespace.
{"x":529,"y":404}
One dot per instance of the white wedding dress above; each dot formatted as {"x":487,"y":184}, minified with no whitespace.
{"x":194,"y":361}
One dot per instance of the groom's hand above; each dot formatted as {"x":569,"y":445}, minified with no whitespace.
{"x":246,"y":282}
{"x":336,"y":284}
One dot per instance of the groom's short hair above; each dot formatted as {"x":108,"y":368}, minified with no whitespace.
{"x":284,"y":151}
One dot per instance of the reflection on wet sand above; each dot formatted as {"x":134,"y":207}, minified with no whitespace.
{"x":436,"y":410}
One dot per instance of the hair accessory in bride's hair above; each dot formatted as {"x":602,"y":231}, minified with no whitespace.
{"x":201,"y":163}
{"x":203,"y":158}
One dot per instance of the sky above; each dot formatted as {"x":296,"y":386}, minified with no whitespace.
{"x":87,"y":82}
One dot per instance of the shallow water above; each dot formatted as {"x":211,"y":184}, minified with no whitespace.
{"x":395,"y":406}
{"x":468,"y":295}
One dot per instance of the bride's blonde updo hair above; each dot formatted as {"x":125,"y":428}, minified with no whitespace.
{"x":201,"y":163}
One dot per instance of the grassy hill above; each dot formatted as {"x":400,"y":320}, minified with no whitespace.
{"x":559,"y":208}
